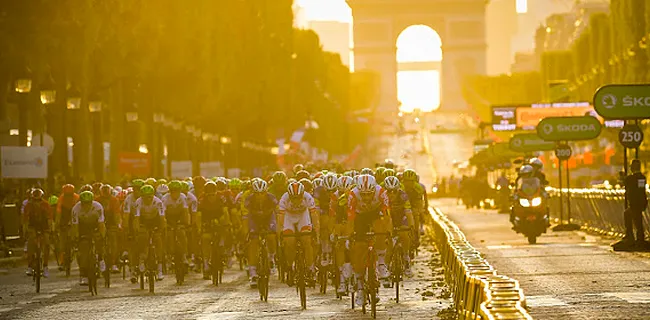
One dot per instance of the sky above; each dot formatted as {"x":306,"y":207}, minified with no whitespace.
{"x":416,"y":89}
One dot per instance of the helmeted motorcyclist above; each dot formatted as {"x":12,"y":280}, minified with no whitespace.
{"x":538,"y":165}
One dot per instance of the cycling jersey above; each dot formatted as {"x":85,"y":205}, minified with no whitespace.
{"x":416,"y":193}
{"x":261,"y":212}
{"x":322,"y":198}
{"x":339,"y":206}
{"x":364,"y":213}
{"x":64,"y":208}
{"x":37,"y":215}
{"x":87,"y":217}
{"x":129,"y":204}
{"x":400,"y":206}
{"x":111,"y":207}
{"x":192,"y":202}
{"x":174,"y":208}
{"x":149,"y":213}
{"x":277,"y":190}
{"x":297,"y":213}
{"x":212,"y":207}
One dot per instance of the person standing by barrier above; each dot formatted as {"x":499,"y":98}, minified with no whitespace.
{"x":637,"y":202}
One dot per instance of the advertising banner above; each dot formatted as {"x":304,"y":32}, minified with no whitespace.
{"x":134,"y":163}
{"x":24,"y":162}
{"x":212,"y":169}
{"x":181,"y":169}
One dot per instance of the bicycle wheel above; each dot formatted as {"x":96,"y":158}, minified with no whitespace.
{"x":141,"y":280}
{"x":373,"y":303}
{"x":322,"y":276}
{"x":107,"y":278}
{"x":37,"y":271}
{"x":67,"y":260}
{"x":303,"y":294}
{"x":152,"y":280}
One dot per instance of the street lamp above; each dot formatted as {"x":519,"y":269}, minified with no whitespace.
{"x":95,"y":105}
{"x":48,"y":90}
{"x":23,"y":82}
{"x":74,"y":99}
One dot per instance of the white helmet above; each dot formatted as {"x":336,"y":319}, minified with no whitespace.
{"x":330,"y":182}
{"x":162,"y":189}
{"x":259,"y":186}
{"x":536,"y":163}
{"x":295,"y":189}
{"x":366,"y":183}
{"x":391,"y":183}
{"x":317,"y":183}
{"x":345,"y":183}
{"x":526,"y":170}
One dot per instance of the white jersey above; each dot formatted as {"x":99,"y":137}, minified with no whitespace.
{"x":155,"y":206}
{"x":129,"y":205}
{"x":178,"y":203}
{"x":192,"y":202}
{"x":307,"y":204}
{"x":95,"y":210}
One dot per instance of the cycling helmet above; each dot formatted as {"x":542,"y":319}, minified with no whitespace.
{"x":302,"y":174}
{"x":246,"y":185}
{"x":185,"y":186}
{"x":279,"y":177}
{"x":199,"y":181}
{"x":117,"y":189}
{"x":297,"y":168}
{"x":137,"y":183}
{"x":67,"y":189}
{"x":309,"y":186}
{"x":330,"y":182}
{"x":97,"y":186}
{"x":37,"y":194}
{"x":345,"y":183}
{"x":318,"y":182}
{"x":210,"y":187}
{"x":366,"y":183}
{"x":147,"y":190}
{"x":354,"y":173}
{"x":389,"y":173}
{"x":410,"y":175}
{"x":291,"y":180}
{"x":295,"y":190}
{"x":86,"y":187}
{"x":317,"y":175}
{"x":53,"y":200}
{"x":221,"y":183}
{"x":391,"y":183}
{"x":150,"y":181}
{"x":259,"y":186}
{"x":399,"y":176}
{"x":536,"y":163}
{"x":162,"y":189}
{"x":106,"y":190}
{"x":235,"y":184}
{"x":379,"y":172}
{"x":175,"y":186}
{"x":86,"y":196}
{"x":526,"y":170}
{"x":367,"y":171}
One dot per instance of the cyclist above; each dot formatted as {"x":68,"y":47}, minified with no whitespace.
{"x":176,"y":211}
{"x":214,"y":214}
{"x":62,"y":219}
{"x":302,"y":174}
{"x":37,"y":218}
{"x":323,"y":196}
{"x":400,"y":208}
{"x":128,"y":211}
{"x":228,"y":198}
{"x":193,"y":235}
{"x":416,"y":195}
{"x":261,"y":206}
{"x":88,"y":224}
{"x":162,"y":190}
{"x":368,"y":207}
{"x":297,"y":206}
{"x":338,"y":211}
{"x":113,"y":222}
{"x":149,"y":217}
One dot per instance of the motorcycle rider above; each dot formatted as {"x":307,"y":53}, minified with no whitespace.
{"x":525,"y":181}
{"x":538,"y":165}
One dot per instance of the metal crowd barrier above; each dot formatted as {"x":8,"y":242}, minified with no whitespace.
{"x":478,"y":291}
{"x":597,"y":210}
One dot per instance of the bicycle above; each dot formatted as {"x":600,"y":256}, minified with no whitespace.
{"x":299,"y":270}
{"x":150,"y":264}
{"x":68,"y":251}
{"x":180,"y":268}
{"x":107,"y":271}
{"x":93,"y":265}
{"x":397,"y":262}
{"x":217,"y":259}
{"x":37,"y":261}
{"x":263,"y":268}
{"x":370,"y":280}
{"x":337,"y":273}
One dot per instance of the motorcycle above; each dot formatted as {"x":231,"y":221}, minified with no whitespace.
{"x":530,"y":213}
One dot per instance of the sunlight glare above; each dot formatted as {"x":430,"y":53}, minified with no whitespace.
{"x":419,"y":43}
{"x":418,"y":89}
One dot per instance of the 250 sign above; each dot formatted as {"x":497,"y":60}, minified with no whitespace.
{"x":630,"y":136}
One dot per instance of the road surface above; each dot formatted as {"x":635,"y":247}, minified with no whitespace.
{"x":567,"y":275}
{"x":422,"y":297}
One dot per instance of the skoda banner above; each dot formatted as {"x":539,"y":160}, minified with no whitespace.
{"x":623,"y":101}
{"x":569,"y":128}
{"x":530,"y":142}
{"x":24,"y":162}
